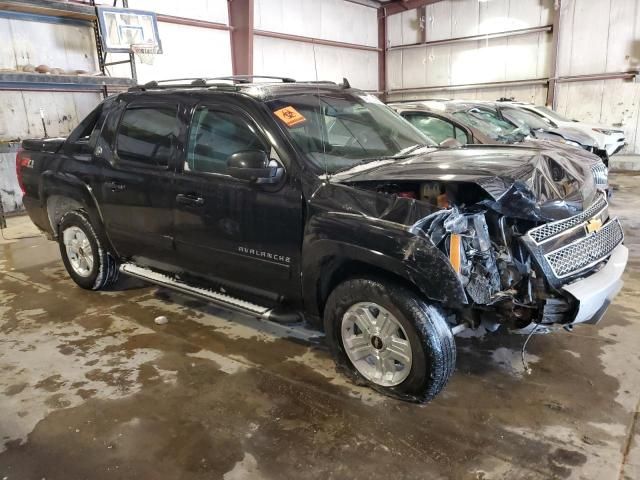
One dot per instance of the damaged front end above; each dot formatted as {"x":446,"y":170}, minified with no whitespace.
{"x":517,"y":271}
{"x":514,"y":273}
{"x":496,"y":270}
{"x":532,"y":245}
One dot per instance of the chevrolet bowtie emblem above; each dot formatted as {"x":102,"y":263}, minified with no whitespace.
{"x":594,"y":225}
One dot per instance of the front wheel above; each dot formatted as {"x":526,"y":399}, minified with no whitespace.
{"x":84,"y":254}
{"x":383,"y":335}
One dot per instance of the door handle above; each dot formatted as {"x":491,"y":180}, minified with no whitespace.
{"x":116,"y":186}
{"x":192,"y":200}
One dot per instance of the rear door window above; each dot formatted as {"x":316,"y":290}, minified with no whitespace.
{"x":435,"y":128}
{"x":214,"y":136}
{"x":148,"y":134}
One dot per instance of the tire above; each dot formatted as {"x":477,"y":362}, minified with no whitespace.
{"x":432,"y":346}
{"x":84,"y":254}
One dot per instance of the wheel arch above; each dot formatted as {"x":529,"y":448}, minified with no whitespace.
{"x":63,"y":193}
{"x":343,"y":262}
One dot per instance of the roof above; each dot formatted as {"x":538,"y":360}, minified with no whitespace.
{"x":441,"y":106}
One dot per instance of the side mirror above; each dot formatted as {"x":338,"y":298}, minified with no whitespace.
{"x":451,"y":143}
{"x":253,"y":166}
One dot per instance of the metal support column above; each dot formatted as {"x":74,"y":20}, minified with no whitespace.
{"x":241,"y":23}
{"x":99,"y":48}
{"x":553,"y":65}
{"x":382,"y":54}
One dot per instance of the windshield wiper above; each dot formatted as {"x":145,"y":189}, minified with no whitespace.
{"x":361,"y":162}
{"x":401,"y":154}
{"x":407,"y":151}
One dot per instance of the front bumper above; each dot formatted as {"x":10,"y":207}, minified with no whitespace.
{"x":615,"y":144}
{"x":594,"y":293}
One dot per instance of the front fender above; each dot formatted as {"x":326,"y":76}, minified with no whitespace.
{"x":335,"y":238}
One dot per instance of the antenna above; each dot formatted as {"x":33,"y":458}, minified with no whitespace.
{"x":320,"y":122}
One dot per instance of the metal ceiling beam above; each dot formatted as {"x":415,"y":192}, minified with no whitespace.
{"x":366,"y":3}
{"x":471,"y":86}
{"x":241,"y":33}
{"x":473,"y":38}
{"x":191,"y":22}
{"x":318,"y":41}
{"x":631,"y":75}
{"x":399,"y":6}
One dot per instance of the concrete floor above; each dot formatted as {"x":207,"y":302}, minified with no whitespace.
{"x":91,"y":387}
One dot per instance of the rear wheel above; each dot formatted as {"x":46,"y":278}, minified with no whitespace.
{"x":84,"y":254}
{"x":382,"y":335}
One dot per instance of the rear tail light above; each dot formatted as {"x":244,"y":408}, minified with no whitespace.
{"x":23,"y":159}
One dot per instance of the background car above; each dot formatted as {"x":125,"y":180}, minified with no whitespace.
{"x":480,"y":123}
{"x":499,"y":122}
{"x":608,"y":140}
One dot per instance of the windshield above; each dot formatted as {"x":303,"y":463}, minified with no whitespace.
{"x":338,"y":130}
{"x":491,"y":125}
{"x":552,"y":114}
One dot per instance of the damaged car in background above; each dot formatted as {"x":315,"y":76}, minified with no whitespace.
{"x":481,"y":123}
{"x":316,"y":202}
{"x":609,"y":140}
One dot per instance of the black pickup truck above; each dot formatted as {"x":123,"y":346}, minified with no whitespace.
{"x":314,"y":201}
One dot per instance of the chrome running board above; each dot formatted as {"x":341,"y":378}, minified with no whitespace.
{"x":206,"y":294}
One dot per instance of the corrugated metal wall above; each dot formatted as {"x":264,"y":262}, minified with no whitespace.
{"x":493,"y":60}
{"x":594,"y":37}
{"x":334,"y":20}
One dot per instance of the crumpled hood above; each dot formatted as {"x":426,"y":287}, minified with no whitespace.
{"x":532,"y":183}
{"x":568,"y":133}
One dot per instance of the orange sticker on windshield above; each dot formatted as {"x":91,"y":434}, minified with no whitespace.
{"x":290,"y":116}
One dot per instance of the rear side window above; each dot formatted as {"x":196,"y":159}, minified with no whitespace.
{"x":461,"y":136}
{"x":147,"y":135}
{"x":435,"y":128}
{"x":82,"y":133}
{"x":214,"y":136}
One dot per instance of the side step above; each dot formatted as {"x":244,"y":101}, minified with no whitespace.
{"x":205,"y":294}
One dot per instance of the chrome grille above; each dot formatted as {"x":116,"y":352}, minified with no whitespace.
{"x":586,"y":252}
{"x":548,"y":230}
{"x":600,"y":175}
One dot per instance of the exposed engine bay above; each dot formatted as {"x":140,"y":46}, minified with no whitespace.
{"x":482,"y":245}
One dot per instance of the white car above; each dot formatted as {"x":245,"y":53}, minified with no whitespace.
{"x":608,"y":140}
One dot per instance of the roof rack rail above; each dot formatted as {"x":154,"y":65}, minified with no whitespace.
{"x":247,"y":78}
{"x":320,"y":82}
{"x":199,"y":82}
